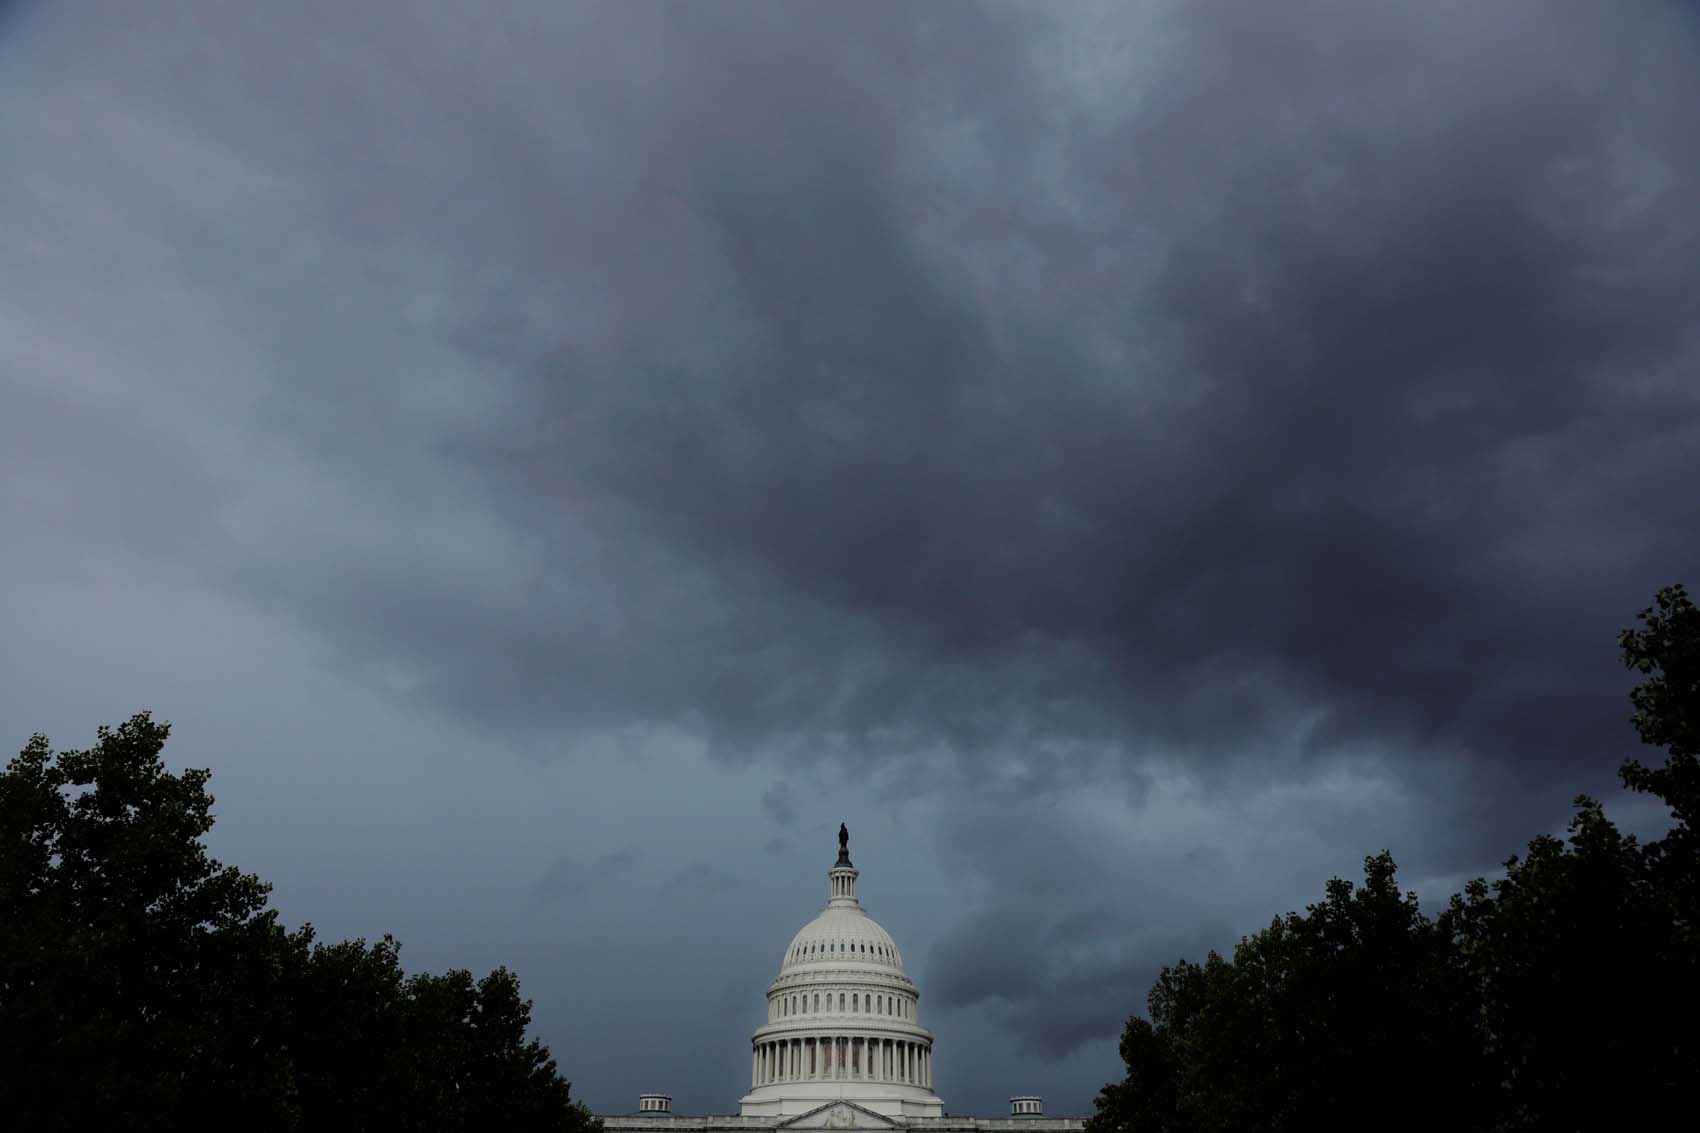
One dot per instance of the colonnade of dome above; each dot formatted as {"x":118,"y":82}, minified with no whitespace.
{"x":842,"y":1058}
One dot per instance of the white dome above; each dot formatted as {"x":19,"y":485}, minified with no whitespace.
{"x":841,"y":935}
{"x":841,"y":1018}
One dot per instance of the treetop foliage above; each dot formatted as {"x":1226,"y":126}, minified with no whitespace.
{"x":145,"y":986}
{"x":1559,"y":996}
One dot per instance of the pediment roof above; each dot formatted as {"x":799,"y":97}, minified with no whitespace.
{"x":840,"y":1115}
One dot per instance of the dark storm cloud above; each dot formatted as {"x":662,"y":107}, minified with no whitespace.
{"x":881,"y":384}
{"x":1338,"y":385}
{"x":1056,"y":983}
{"x":1175,"y":451}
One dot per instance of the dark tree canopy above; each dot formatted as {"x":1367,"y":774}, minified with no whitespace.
{"x":1560,"y":996}
{"x":145,"y":986}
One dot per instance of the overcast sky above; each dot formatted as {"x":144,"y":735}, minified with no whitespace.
{"x":555,"y":461}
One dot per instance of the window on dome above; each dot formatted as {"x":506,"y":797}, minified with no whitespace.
{"x":817,"y":1001}
{"x":841,"y":1001}
{"x":854,"y":1006}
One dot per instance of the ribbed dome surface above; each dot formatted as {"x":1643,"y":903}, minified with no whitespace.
{"x":842,"y":936}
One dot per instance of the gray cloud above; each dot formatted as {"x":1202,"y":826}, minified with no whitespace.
{"x":564,"y":877}
{"x":780,"y":803}
{"x":1138,"y":460}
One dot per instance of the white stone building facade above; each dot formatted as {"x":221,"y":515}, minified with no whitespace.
{"x":843,"y":1046}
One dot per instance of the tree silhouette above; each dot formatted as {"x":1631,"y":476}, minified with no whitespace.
{"x":1560,"y":996}
{"x":145,"y":986}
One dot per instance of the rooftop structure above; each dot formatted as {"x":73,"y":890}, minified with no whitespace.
{"x":843,"y":1046}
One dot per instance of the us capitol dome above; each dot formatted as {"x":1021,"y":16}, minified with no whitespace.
{"x":843,"y":1046}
